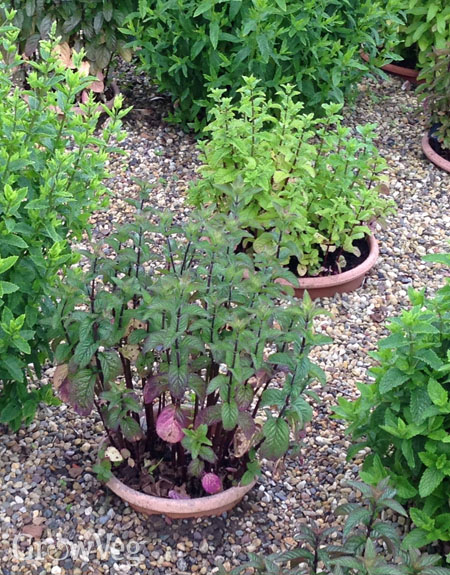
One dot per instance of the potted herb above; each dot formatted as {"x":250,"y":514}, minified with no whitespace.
{"x":435,"y":95}
{"x":193,"y":366}
{"x":307,"y":190}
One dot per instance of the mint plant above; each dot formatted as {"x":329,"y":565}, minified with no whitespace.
{"x":89,"y":24}
{"x":366,"y":545}
{"x":52,"y":165}
{"x":435,"y":93}
{"x":306,"y":189}
{"x":186,"y":354}
{"x":428,"y":26}
{"x":213,"y":43}
{"x":403,"y":417}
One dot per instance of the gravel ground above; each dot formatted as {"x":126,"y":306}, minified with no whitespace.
{"x":49,"y":495}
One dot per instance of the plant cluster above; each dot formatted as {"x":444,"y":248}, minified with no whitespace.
{"x":428,"y":26}
{"x":305,"y":188}
{"x":191,"y":47}
{"x":90,"y":24}
{"x":404,"y":416}
{"x":52,"y":165}
{"x":193,"y":365}
{"x":367,"y":544}
{"x":435,"y":92}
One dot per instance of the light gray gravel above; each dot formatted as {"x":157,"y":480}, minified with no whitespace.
{"x":47,"y":485}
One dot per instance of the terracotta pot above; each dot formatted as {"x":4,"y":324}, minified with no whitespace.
{"x":347,"y":281}
{"x":434,"y":156}
{"x":180,"y":508}
{"x":405,"y":73}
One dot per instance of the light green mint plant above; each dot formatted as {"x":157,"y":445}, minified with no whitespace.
{"x":52,"y":167}
{"x":404,"y":416}
{"x":305,"y":188}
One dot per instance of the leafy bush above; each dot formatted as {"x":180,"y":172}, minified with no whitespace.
{"x":404,"y":416}
{"x":369,"y":545}
{"x":305,"y":188}
{"x":428,"y":26}
{"x":89,"y":24}
{"x":192,"y":338}
{"x":52,"y":165}
{"x":191,"y":47}
{"x":435,"y":92}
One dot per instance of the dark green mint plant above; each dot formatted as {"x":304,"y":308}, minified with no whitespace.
{"x":306,"y":189}
{"x":367,"y":544}
{"x":90,"y":24}
{"x":435,"y":93}
{"x":52,"y":165}
{"x":193,"y":366}
{"x":404,"y":416}
{"x":191,"y":48}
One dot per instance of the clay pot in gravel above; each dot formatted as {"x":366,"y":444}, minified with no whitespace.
{"x":180,"y":508}
{"x":432,"y":155}
{"x":401,"y":71}
{"x":327,"y":286}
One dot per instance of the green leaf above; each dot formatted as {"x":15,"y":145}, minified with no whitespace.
{"x":131,"y":429}
{"x":437,"y":393}
{"x":419,"y":402}
{"x":276,"y":434}
{"x":391,"y":379}
{"x":84,"y":352}
{"x":230,"y":414}
{"x":7,"y":263}
{"x":429,"y":357}
{"x":430,"y":481}
{"x":214,"y":34}
{"x":14,"y":366}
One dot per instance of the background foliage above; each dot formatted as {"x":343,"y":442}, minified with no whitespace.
{"x":190,"y":47}
{"x":91,"y":24}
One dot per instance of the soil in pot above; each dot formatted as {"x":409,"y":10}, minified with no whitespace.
{"x":330,"y":261}
{"x":436,"y":145}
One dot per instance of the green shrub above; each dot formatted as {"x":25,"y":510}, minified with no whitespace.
{"x":428,"y":26}
{"x":89,"y":24}
{"x":305,"y":188}
{"x":404,"y":416}
{"x":51,"y":167}
{"x":190,"y":47}
{"x":435,"y":92}
{"x":366,"y":545}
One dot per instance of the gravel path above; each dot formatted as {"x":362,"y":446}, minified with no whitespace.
{"x":49,"y":495}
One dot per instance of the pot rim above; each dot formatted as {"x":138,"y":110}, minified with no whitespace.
{"x":404,"y":71}
{"x":187,"y":507}
{"x":342,"y":278}
{"x":433,"y":156}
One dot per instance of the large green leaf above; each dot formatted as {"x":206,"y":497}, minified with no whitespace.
{"x":276,"y":434}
